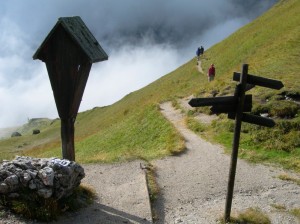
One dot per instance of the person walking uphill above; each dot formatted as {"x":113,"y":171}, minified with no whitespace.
{"x":198,"y":52}
{"x":201,"y":50}
{"x":211,"y":73}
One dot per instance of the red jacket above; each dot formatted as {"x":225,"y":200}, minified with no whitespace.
{"x":211,"y":71}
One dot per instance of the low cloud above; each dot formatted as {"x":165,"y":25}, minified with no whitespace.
{"x":144,"y":40}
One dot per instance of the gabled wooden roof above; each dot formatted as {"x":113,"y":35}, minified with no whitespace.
{"x":81,"y":35}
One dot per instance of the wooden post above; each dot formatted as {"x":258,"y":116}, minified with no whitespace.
{"x":236,"y":140}
{"x":69,"y":51}
{"x":67,"y":138}
{"x":235,"y":106}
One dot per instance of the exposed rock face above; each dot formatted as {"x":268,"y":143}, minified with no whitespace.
{"x":15,"y":134}
{"x":51,"y":177}
{"x":36,"y":131}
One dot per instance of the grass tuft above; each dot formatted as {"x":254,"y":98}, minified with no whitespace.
{"x":296,"y":212}
{"x":249,"y":216}
{"x":289,"y":178}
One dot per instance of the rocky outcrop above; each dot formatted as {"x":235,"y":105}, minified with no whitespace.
{"x":15,"y":134}
{"x":51,"y":177}
{"x":36,"y":131}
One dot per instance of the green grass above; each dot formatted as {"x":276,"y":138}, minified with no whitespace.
{"x":153,"y":187}
{"x":195,"y":126}
{"x":131,"y":138}
{"x":134,"y":127}
{"x":249,"y":147}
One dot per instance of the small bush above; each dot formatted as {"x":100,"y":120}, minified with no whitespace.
{"x":260,"y":109}
{"x":286,"y":137}
{"x":288,"y":125}
{"x":277,"y":108}
{"x":283,"y":109}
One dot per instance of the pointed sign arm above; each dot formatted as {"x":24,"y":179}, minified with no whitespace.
{"x":210,"y":101}
{"x":259,"y":81}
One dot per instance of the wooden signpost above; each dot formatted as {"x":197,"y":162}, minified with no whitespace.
{"x":236,"y":106}
{"x":69,"y":51}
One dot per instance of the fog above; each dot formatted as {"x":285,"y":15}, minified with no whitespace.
{"x":144,"y":40}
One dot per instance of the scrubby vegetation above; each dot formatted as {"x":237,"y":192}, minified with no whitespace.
{"x":30,"y":205}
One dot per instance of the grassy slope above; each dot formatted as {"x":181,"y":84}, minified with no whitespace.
{"x":271,"y":47}
{"x":134,"y":128}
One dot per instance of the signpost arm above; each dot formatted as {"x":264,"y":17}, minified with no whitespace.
{"x":236,"y":140}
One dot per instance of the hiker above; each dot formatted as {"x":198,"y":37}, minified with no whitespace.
{"x":201,"y":50}
{"x":198,"y":52}
{"x":211,"y":73}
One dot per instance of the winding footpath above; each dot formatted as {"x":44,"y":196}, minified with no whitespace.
{"x":194,"y":184}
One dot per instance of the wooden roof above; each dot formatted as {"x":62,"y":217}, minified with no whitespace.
{"x":81,"y":35}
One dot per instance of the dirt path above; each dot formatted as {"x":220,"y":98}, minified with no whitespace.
{"x":122,"y":197}
{"x":194,"y":184}
{"x":199,"y":66}
{"x":193,"y":187}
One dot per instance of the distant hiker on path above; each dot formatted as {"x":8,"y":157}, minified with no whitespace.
{"x":198,"y":52}
{"x":201,"y":50}
{"x":211,"y":73}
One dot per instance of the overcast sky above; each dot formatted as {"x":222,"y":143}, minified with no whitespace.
{"x":144,"y":40}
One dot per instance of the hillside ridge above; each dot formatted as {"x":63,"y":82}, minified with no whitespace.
{"x":134,"y":128}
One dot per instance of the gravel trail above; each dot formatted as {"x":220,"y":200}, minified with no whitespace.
{"x":193,"y":187}
{"x":194,"y":184}
{"x":122,"y":197}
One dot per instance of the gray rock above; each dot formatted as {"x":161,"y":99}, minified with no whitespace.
{"x":47,"y":175}
{"x":4,"y":188}
{"x":51,"y":177}
{"x":45,"y":192}
{"x":36,"y":131}
{"x":32,"y":185}
{"x":15,"y":134}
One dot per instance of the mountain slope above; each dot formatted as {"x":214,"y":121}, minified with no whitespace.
{"x":134,"y":127}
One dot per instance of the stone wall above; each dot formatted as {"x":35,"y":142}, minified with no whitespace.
{"x":48,"y":177}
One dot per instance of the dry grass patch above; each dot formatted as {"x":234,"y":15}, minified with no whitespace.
{"x":249,"y":216}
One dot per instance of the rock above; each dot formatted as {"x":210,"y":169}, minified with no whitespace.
{"x":52,"y":177}
{"x":15,"y":134}
{"x":36,"y":131}
{"x":47,"y":175}
{"x":32,"y":185}
{"x":12,"y":182}
{"x":4,"y":188}
{"x":45,"y":192}
{"x":14,"y":195}
{"x":25,"y":178}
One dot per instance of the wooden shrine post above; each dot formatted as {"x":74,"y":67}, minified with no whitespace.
{"x":68,"y":52}
{"x":235,"y":106}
